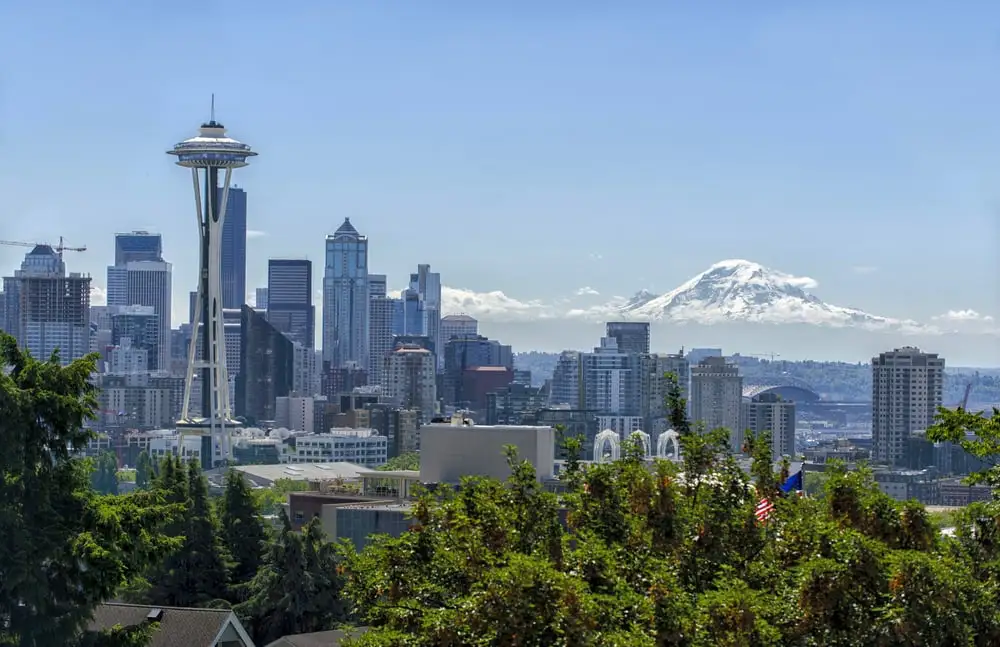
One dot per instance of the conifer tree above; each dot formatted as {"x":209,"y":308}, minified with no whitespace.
{"x":298,"y":588}
{"x":243,"y":532}
{"x":143,"y":471}
{"x":63,"y":551}
{"x":195,"y":574}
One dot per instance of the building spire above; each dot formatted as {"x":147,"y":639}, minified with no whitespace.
{"x":212,"y":116}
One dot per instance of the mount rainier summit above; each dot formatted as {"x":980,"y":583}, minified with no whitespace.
{"x":733,"y":291}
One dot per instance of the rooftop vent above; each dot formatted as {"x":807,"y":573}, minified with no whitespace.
{"x":154,"y":615}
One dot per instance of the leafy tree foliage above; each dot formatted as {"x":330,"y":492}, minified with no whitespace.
{"x":143,"y":471}
{"x":297,"y":589}
{"x":104,"y":477}
{"x":633,"y":553}
{"x":63,"y":549}
{"x":978,"y":434}
{"x":405,"y":461}
{"x":243,"y":532}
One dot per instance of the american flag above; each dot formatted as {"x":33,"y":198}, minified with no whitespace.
{"x":763,"y":510}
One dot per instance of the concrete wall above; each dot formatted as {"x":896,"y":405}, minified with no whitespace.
{"x":449,"y":452}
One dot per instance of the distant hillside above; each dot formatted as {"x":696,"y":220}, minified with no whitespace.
{"x":832,"y":380}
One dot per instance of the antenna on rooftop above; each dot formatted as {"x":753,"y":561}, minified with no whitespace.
{"x":212,"y":119}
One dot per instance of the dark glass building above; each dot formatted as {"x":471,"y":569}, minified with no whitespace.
{"x":138,"y":246}
{"x":266,"y":367}
{"x":289,"y":299}
{"x":234,"y":250}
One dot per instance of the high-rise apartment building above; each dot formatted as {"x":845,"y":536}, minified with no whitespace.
{"x":631,"y":336}
{"x":409,"y":379}
{"x":381,"y":315}
{"x":46,"y":309}
{"x":768,"y":412}
{"x":717,"y":397}
{"x":345,"y":297}
{"x":907,"y":389}
{"x":567,"y":381}
{"x":140,"y":326}
{"x":655,"y":388}
{"x":289,"y":299}
{"x":234,"y":249}
{"x":428,"y":285}
{"x":148,"y":283}
{"x":612,"y":380}
{"x":138,"y":246}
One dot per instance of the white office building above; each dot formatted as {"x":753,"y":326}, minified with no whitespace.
{"x":359,"y":446}
{"x":907,"y":389}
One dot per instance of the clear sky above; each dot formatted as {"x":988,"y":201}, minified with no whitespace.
{"x":528,"y":147}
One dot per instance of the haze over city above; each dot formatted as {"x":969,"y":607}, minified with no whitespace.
{"x":543,"y":159}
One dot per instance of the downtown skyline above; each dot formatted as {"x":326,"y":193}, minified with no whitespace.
{"x":724,"y":153}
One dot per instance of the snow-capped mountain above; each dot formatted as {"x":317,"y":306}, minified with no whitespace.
{"x":744,"y":291}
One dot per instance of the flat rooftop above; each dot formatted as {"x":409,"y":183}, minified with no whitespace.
{"x":303,"y":471}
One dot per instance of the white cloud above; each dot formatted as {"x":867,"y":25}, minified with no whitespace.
{"x":963,"y":316}
{"x":98,"y":295}
{"x":494,"y":305}
{"x":804,"y":282}
{"x":256,"y":233}
{"x":587,"y":291}
{"x":594,"y":256}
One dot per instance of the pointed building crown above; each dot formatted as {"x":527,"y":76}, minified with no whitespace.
{"x":346,"y":229}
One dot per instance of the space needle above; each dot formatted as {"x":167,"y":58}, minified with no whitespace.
{"x":206,"y":154}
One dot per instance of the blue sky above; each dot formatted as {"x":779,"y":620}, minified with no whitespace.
{"x":528,"y":147}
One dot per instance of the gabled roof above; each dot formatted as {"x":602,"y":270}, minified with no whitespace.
{"x":333,"y":638}
{"x":178,"y":626}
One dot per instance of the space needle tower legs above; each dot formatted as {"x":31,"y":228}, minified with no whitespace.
{"x":206,"y":154}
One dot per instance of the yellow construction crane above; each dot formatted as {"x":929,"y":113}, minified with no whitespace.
{"x":60,"y":248}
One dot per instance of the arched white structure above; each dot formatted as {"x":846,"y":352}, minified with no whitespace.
{"x":610,"y":438}
{"x":643,"y":439}
{"x":667,"y":438}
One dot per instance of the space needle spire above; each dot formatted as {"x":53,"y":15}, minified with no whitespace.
{"x":206,"y":154}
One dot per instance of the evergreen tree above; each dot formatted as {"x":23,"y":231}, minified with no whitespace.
{"x":63,"y":550}
{"x":104,"y":477}
{"x":243,"y":532}
{"x":143,"y":471}
{"x":298,"y":588}
{"x":195,"y":574}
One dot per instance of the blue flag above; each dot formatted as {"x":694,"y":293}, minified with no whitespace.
{"x":794,"y":482}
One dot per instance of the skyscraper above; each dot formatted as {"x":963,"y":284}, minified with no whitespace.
{"x":632,"y":336}
{"x":382,"y":312}
{"x":907,"y":389}
{"x":234,"y":249}
{"x":138,"y":246}
{"x":345,"y":297}
{"x":289,"y":299}
{"x":47,"y":310}
{"x":458,"y":326}
{"x":768,"y":412}
{"x":717,"y":398}
{"x":428,"y":286}
{"x":148,"y":283}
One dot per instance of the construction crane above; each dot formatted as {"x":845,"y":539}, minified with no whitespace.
{"x":770,"y":356}
{"x":60,"y":248}
{"x":965,"y":398}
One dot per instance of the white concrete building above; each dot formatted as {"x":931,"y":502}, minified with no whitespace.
{"x":768,"y":412}
{"x":409,"y":379}
{"x":359,"y":446}
{"x":295,"y":413}
{"x":907,"y":389}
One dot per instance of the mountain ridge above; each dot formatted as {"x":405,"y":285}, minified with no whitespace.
{"x":738,"y":290}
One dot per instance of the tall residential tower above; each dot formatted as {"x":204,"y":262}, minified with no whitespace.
{"x":907,"y":389}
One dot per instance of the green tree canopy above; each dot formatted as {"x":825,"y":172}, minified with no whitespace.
{"x":243,"y":532}
{"x":104,"y":476}
{"x":639,"y":553}
{"x":63,"y":549}
{"x":298,"y":588}
{"x":143,"y":470}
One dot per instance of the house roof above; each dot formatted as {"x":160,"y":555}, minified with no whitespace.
{"x":319,"y":638}
{"x":179,"y":626}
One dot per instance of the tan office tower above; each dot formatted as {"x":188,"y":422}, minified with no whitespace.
{"x":907,"y":389}
{"x":717,"y":398}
